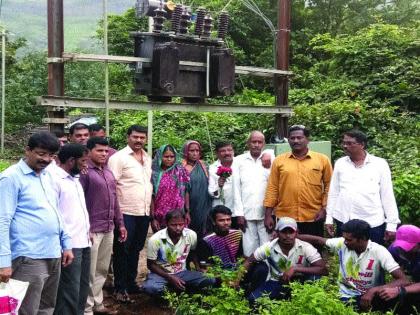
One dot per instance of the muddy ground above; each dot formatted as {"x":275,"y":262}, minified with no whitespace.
{"x":143,"y":304}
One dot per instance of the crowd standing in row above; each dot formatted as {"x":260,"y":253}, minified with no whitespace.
{"x":61,"y":217}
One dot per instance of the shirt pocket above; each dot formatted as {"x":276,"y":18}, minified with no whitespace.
{"x":314,"y":176}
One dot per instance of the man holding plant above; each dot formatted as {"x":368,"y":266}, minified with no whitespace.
{"x":361,"y":266}
{"x":167,"y":253}
{"x":288,"y":259}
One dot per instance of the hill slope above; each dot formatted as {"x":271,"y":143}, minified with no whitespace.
{"x":28,"y":19}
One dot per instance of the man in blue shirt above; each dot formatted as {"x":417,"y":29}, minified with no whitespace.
{"x":33,"y":239}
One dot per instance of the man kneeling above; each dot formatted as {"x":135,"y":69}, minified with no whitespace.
{"x":167,"y":253}
{"x":362,"y":264}
{"x":288,"y":259}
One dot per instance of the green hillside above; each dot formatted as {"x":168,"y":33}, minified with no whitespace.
{"x":28,"y":19}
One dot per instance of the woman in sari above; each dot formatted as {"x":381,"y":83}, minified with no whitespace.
{"x":200,"y":201}
{"x":170,"y":182}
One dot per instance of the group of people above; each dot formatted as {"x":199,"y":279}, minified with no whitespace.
{"x":63,"y":214}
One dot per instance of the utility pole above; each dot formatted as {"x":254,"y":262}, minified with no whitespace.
{"x":282,"y":62}
{"x":106,"y":92}
{"x":55,"y":66}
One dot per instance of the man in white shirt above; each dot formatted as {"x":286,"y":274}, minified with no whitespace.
{"x":361,"y":188}
{"x":74,"y":279}
{"x":167,"y":253}
{"x":288,"y":259}
{"x":132,"y":168}
{"x":225,"y":157}
{"x":217,"y":184}
{"x":361,"y":265}
{"x":249,"y":184}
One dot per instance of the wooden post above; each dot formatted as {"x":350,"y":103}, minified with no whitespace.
{"x":282,"y":63}
{"x":55,"y":70}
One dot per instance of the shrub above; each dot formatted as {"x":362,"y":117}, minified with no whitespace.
{"x":3,"y":165}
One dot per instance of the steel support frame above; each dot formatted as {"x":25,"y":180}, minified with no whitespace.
{"x":60,"y":103}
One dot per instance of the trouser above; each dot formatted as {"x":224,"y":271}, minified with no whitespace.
{"x":277,"y":289}
{"x":378,"y":304}
{"x":376,"y":234}
{"x":312,"y":228}
{"x":126,"y":255}
{"x":194,"y":280}
{"x":43,"y":276}
{"x":255,"y":235}
{"x":100,"y":256}
{"x":255,"y":277}
{"x":74,"y":284}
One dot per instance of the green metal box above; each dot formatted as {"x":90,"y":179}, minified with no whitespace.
{"x":317,"y":146}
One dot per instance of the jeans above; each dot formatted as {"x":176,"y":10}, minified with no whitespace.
{"x":194,"y":280}
{"x":376,"y":234}
{"x":74,"y":284}
{"x":126,"y":255}
{"x":276,"y":289}
{"x":43,"y":276}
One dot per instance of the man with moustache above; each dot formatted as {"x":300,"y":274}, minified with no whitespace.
{"x":100,"y":189}
{"x":79,"y":133}
{"x":288,"y":259}
{"x":298,"y":185}
{"x":132,"y":168}
{"x":249,"y":184}
{"x":74,"y":279}
{"x":34,"y":241}
{"x":361,"y":188}
{"x":225,"y":157}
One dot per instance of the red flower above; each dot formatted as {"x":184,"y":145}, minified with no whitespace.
{"x":224,"y":171}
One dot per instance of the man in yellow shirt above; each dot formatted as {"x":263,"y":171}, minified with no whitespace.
{"x":298,"y":185}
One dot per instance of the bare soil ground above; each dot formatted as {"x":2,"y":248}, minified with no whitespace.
{"x":143,"y":304}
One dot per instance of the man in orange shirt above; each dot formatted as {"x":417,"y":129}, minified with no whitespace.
{"x":298,"y":185}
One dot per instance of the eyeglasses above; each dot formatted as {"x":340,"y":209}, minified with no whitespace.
{"x":348,"y":143}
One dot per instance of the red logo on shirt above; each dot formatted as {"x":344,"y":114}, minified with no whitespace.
{"x":300,"y":260}
{"x":370,"y":264}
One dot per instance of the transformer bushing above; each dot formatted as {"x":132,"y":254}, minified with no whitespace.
{"x":199,"y":22}
{"x":184,"y":22}
{"x":176,"y":17}
{"x":158,"y":19}
{"x":208,"y":24}
{"x":223,"y":25}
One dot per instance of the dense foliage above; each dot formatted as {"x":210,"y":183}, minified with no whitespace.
{"x":355,"y":65}
{"x":317,"y":297}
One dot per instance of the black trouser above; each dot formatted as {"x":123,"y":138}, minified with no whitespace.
{"x":73,"y":289}
{"x":126,"y":255}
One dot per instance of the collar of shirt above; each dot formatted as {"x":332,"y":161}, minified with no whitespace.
{"x":127,"y":150}
{"x":169,"y":240}
{"x":63,"y":174}
{"x":91,"y":165}
{"x":26,"y":169}
{"x":308,"y":155}
{"x":250,"y":157}
{"x":278,"y":250}
{"x":368,"y":159}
